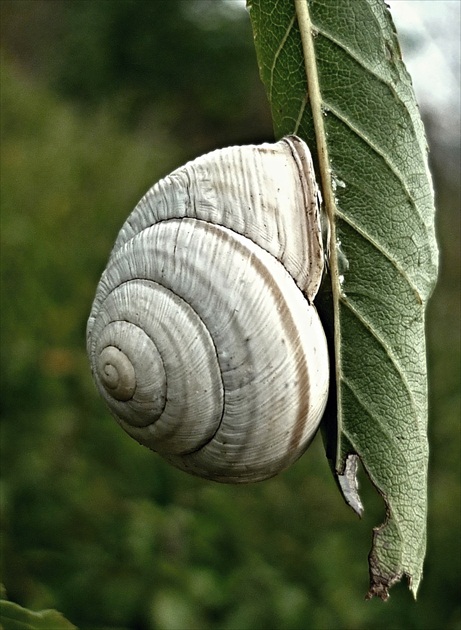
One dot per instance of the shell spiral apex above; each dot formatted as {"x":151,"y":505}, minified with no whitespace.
{"x":203,"y":339}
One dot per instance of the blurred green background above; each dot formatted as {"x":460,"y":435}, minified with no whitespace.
{"x":98,"y":101}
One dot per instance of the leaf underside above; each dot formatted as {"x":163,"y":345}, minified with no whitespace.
{"x":334,"y":76}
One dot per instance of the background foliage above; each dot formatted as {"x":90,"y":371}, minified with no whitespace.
{"x":99,"y":100}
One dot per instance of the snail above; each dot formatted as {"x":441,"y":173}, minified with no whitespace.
{"x":203,"y":338}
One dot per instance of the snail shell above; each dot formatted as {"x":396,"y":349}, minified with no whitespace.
{"x":202,"y":338}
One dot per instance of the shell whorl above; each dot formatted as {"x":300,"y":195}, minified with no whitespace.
{"x":202,"y":343}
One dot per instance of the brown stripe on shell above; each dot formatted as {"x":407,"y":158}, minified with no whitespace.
{"x":303,"y":374}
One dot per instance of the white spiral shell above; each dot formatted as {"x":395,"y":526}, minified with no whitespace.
{"x":202,"y":338}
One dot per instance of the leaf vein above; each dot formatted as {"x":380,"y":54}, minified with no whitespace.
{"x":382,"y":250}
{"x":349,"y":51}
{"x":302,"y":109}
{"x":278,"y":51}
{"x":383,"y":155}
{"x":395,"y":362}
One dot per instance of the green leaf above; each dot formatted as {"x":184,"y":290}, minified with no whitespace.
{"x":334,"y":76}
{"x":14,"y":617}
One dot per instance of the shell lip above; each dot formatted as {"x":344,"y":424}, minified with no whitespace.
{"x":313,"y":204}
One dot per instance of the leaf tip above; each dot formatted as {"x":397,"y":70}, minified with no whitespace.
{"x":379,"y":586}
